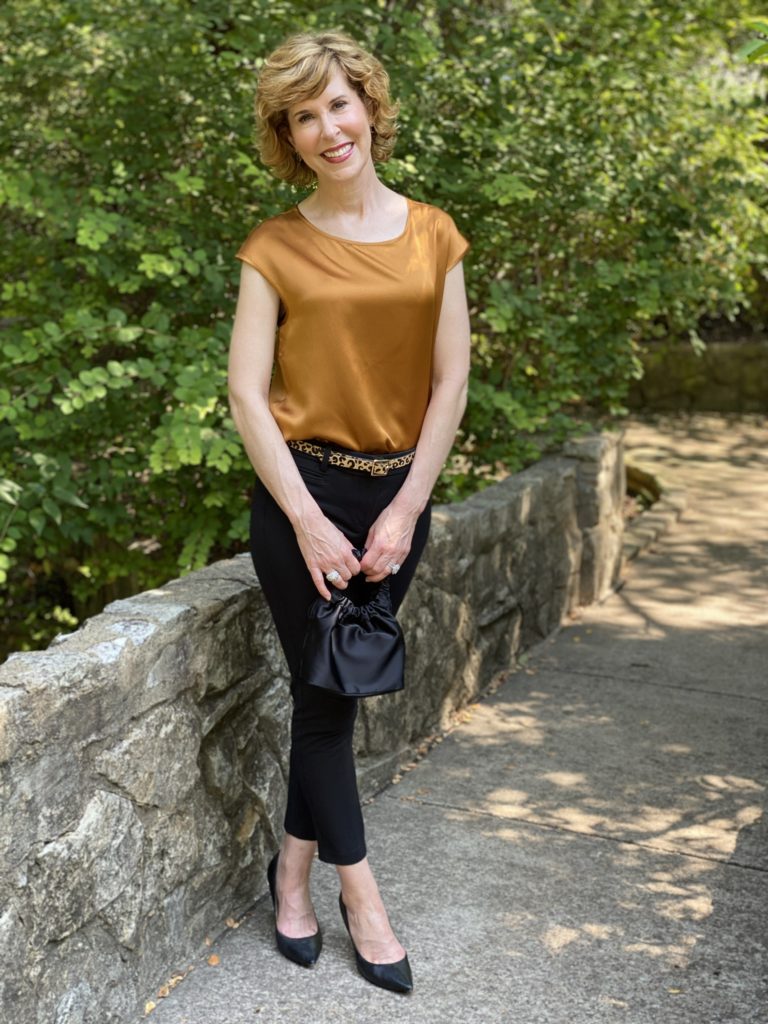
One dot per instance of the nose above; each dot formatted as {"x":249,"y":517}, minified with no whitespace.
{"x":328,"y":126}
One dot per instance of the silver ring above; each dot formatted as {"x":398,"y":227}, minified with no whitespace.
{"x":393,"y":567}
{"x":333,"y":575}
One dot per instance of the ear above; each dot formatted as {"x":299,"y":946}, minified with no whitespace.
{"x":287,"y":137}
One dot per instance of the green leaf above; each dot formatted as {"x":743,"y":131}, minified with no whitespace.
{"x":10,"y":491}
{"x":752,"y":50}
{"x":52,"y":509}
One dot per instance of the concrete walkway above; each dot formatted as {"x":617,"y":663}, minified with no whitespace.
{"x":590,"y":843}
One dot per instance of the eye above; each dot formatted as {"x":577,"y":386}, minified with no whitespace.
{"x":339,"y":104}
{"x":303,"y":117}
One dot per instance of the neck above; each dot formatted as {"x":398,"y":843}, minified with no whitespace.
{"x":352,"y":199}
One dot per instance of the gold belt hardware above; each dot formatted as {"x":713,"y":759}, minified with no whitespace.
{"x":366,"y":463}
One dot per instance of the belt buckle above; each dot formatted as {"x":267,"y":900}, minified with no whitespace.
{"x":379,"y":467}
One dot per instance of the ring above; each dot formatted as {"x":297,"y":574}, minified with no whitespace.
{"x":393,"y":567}
{"x":333,"y":575}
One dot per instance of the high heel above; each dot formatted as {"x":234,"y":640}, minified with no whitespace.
{"x":305,"y":950}
{"x":395,"y":976}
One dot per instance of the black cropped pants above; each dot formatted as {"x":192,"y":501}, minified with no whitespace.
{"x":323,"y":802}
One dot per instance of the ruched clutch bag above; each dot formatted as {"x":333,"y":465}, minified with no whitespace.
{"x":354,"y":650}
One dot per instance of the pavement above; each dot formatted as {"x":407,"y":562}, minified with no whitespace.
{"x":589,"y":843}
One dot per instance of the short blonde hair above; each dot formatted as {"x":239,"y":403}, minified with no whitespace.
{"x":299,"y":69}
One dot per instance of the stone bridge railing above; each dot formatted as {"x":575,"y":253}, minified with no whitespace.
{"x":143,"y":757}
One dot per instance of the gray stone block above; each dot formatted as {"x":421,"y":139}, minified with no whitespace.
{"x":156,"y":762}
{"x":143,"y":757}
{"x":83,"y":871}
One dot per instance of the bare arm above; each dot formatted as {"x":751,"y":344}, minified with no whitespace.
{"x":252,"y":350}
{"x":389,"y":539}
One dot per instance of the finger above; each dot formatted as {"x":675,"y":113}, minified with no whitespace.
{"x":369,"y":546}
{"x":369,"y":561}
{"x":381,"y":572}
{"x":319,"y":581}
{"x":340,"y":583}
{"x":352,"y":565}
{"x":352,"y":562}
{"x":342,"y":574}
{"x":382,"y":567}
{"x":378,"y":573}
{"x":347,"y":563}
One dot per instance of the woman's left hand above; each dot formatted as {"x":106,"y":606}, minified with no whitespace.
{"x":388,"y":542}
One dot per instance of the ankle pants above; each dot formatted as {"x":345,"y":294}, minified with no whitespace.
{"x":323,"y":802}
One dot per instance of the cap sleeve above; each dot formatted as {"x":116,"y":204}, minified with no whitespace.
{"x":256,"y":251}
{"x":456,"y":245}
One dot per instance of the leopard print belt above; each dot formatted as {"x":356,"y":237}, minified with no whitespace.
{"x":376,"y":465}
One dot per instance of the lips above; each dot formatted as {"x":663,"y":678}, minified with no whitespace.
{"x":338,"y":153}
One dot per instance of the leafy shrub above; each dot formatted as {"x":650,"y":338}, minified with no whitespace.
{"x":602,"y":161}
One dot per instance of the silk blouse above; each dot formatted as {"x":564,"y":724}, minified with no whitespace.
{"x":356,"y":326}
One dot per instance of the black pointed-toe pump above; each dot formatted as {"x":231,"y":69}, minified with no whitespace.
{"x":396,"y":976}
{"x":305,"y":950}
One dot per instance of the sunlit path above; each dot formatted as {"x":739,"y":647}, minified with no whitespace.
{"x":590,"y":843}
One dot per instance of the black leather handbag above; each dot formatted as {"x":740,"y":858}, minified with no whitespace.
{"x":354,"y":650}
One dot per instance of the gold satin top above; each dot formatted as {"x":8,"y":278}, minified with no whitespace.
{"x":356,"y":326}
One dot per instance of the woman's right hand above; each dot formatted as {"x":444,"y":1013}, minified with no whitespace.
{"x":324,"y":548}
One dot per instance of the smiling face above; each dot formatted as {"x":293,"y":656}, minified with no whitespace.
{"x":332,"y":132}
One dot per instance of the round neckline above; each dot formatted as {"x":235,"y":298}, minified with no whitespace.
{"x":354,"y":241}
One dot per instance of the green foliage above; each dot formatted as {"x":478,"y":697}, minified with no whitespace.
{"x":755,"y":50}
{"x":605,"y":162}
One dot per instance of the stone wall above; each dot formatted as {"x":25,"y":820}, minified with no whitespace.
{"x":143,"y":757}
{"x":727,"y":377}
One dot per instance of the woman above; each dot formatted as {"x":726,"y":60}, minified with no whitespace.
{"x":365,"y":289}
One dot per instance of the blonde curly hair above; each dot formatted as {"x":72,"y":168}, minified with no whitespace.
{"x":299,"y":69}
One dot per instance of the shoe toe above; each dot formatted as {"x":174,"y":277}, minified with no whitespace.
{"x":304,"y":951}
{"x":396,"y":977}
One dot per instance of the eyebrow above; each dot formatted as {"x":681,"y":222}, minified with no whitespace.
{"x":343,"y":96}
